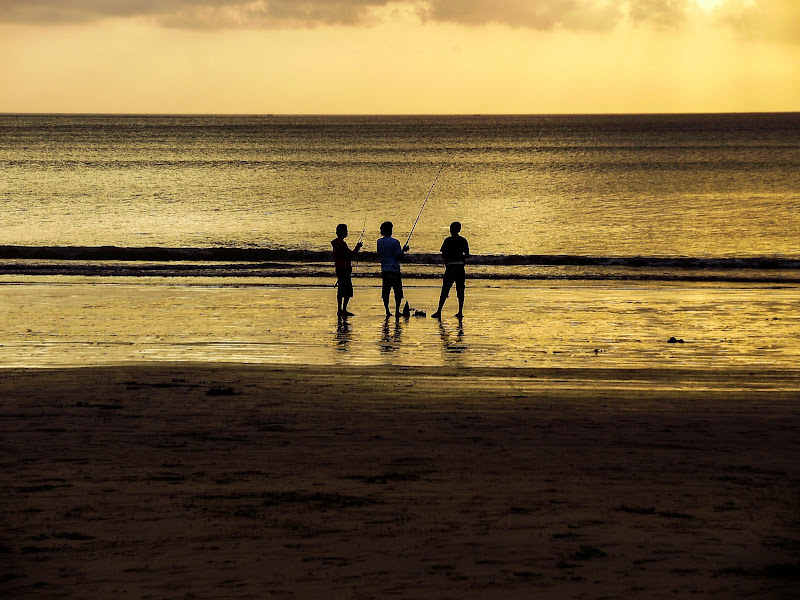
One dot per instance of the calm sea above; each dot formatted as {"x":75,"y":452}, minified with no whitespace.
{"x":542,"y":188}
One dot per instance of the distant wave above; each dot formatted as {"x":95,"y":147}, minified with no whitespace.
{"x":297,"y":256}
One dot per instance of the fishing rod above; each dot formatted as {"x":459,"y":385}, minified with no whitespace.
{"x":361,"y":237}
{"x":426,"y":199}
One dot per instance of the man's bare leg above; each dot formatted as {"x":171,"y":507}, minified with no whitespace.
{"x":460,"y":313}
{"x":344,"y":312}
{"x":442,"y":299}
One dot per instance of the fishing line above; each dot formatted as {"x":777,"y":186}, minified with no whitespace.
{"x":426,"y":198}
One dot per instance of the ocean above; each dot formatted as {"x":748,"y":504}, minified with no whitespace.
{"x":668,"y":186}
{"x":595,"y":238}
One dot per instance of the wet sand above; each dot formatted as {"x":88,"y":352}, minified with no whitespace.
{"x":231,"y":481}
{"x":64,"y":322}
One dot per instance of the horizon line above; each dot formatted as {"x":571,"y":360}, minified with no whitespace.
{"x":391,"y":114}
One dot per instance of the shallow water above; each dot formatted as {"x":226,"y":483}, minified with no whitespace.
{"x":72,"y":321}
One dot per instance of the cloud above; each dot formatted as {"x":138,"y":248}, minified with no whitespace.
{"x":662,"y":13}
{"x":772,"y":19}
{"x":220,"y":14}
{"x":47,"y":12}
{"x":216,"y":14}
{"x":777,"y":20}
{"x":536,"y":14}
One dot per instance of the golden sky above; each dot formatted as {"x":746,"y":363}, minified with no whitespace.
{"x":380,"y":57}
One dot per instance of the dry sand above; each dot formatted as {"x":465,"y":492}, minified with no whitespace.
{"x":229,"y":481}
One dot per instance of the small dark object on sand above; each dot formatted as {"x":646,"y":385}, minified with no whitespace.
{"x":220,"y":391}
{"x":408,"y":311}
{"x":674,"y":340}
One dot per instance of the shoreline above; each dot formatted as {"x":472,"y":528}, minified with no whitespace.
{"x":260,"y":266}
{"x":177,"y":480}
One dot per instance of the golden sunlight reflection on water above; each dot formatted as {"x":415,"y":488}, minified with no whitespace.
{"x":70,"y":321}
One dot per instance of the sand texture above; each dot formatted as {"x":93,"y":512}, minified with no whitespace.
{"x":223,"y":481}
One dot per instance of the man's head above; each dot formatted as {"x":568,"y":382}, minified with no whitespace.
{"x":386,"y":228}
{"x":455,"y":227}
{"x":341,"y":230}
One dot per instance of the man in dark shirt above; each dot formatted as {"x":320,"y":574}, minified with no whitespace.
{"x":342,"y":257}
{"x":455,"y":251}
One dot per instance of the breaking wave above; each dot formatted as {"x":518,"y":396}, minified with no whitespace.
{"x":272,"y":262}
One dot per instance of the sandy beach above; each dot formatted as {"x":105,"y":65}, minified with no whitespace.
{"x":232,"y":481}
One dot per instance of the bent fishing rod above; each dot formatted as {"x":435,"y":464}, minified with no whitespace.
{"x":426,"y":199}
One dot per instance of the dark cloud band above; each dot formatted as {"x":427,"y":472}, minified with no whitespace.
{"x":775,"y":19}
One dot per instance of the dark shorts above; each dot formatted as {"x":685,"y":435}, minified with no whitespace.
{"x":454,"y":274}
{"x":345,"y":287}
{"x":392,"y":281}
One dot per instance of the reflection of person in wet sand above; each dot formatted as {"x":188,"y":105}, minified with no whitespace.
{"x":455,"y":251}
{"x":389,"y":251}
{"x":342,"y":260}
{"x":453,"y":346}
{"x":390,"y":338}
{"x":343,"y":335}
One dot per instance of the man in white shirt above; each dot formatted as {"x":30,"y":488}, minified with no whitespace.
{"x":389,"y":251}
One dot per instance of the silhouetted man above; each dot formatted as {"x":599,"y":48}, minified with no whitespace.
{"x":455,"y":251}
{"x":389,"y":251}
{"x":342,"y":260}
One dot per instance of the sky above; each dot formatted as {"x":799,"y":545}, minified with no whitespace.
{"x":399,"y":57}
